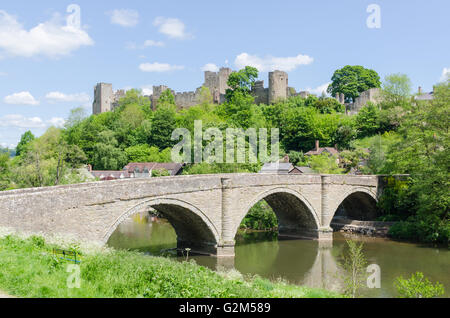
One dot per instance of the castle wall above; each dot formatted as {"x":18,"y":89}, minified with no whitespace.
{"x":370,"y":95}
{"x":260,"y":93}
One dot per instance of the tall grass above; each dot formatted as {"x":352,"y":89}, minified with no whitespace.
{"x":29,"y":269}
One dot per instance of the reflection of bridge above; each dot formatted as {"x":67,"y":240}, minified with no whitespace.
{"x":205,"y":210}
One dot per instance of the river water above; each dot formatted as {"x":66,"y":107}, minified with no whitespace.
{"x":302,"y":262}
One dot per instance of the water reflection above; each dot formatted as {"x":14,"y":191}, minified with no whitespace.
{"x":303,"y":262}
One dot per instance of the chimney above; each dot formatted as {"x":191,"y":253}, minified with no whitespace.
{"x":317,"y":145}
{"x":286,"y":159}
{"x":420,"y":90}
{"x":89,"y":167}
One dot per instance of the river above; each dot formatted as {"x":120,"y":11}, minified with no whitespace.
{"x":302,"y":262}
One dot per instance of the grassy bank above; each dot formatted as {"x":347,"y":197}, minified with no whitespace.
{"x":28,"y":269}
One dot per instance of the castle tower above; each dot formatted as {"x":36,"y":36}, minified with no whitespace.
{"x":103,"y":98}
{"x":217,"y":83}
{"x":278,"y":86}
{"x":224,"y":74}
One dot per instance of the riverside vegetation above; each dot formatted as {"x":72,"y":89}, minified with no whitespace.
{"x":29,"y":269}
{"x":403,"y":136}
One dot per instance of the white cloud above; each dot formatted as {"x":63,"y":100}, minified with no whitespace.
{"x":21,"y":98}
{"x":172,"y":27}
{"x":271,"y":63}
{"x":61,"y":97}
{"x":3,"y":73}
{"x":319,"y":89}
{"x":124,"y":17}
{"x":154,"y":43}
{"x":159,"y":67}
{"x":56,"y":121}
{"x":20,"y":121}
{"x":147,"y":90}
{"x":49,"y":38}
{"x":445,"y":74}
{"x":210,"y":67}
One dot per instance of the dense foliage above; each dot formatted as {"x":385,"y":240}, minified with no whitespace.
{"x":398,"y":135}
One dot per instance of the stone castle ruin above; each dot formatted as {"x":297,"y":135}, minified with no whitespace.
{"x":105,"y":99}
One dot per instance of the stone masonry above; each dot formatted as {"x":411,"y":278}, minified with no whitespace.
{"x":205,"y":210}
{"x":105,"y":99}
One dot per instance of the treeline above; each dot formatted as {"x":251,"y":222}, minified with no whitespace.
{"x":397,"y":135}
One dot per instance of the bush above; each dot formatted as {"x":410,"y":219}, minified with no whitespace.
{"x":418,"y":287}
{"x":260,"y":217}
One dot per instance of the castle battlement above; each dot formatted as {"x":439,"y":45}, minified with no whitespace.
{"x":105,"y":99}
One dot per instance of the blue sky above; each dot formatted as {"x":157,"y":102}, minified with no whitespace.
{"x":49,"y":65}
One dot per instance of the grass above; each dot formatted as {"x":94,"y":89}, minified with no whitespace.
{"x":28,"y":269}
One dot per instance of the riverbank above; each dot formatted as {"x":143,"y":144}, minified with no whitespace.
{"x":29,"y":269}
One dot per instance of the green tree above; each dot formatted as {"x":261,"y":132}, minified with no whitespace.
{"x":329,"y":105}
{"x":163,"y":123}
{"x":423,"y":151}
{"x":26,"y":138}
{"x":418,"y":286}
{"x":325,"y":163}
{"x":396,"y":90}
{"x":368,"y":120}
{"x":4,"y":171}
{"x":166,"y":98}
{"x":352,"y":80}
{"x":107,"y":155}
{"x":241,"y":81}
{"x":354,"y":264}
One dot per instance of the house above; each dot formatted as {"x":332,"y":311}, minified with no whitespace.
{"x":301,"y":170}
{"x":144,"y":169}
{"x":136,"y":170}
{"x":332,"y":151}
{"x":424,"y":96}
{"x":109,"y":174}
{"x":276,"y":167}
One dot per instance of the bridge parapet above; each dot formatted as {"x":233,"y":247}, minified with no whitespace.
{"x":206,"y":210}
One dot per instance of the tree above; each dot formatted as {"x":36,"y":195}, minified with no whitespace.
{"x":26,"y":138}
{"x":163,"y":123}
{"x":352,"y":80}
{"x":76,"y":117}
{"x":4,"y":171}
{"x":324,"y":163}
{"x":368,"y":120}
{"x":166,"y":97}
{"x":241,"y":81}
{"x":418,"y":286}
{"x":107,"y":155}
{"x":396,"y":90}
{"x":423,"y":151}
{"x":354,"y":265}
{"x":328,"y":105}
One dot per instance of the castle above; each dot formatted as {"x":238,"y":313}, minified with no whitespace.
{"x":105,"y":99}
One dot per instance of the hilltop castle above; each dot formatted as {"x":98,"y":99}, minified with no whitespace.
{"x":105,"y":99}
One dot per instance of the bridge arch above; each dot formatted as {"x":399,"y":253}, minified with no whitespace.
{"x":358,"y":203}
{"x":295,"y":214}
{"x":193,"y":228}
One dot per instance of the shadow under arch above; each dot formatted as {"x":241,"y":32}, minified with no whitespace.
{"x":193,"y":228}
{"x":357,"y":204}
{"x":296,"y":216}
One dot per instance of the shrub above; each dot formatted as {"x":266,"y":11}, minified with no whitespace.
{"x":418,"y":286}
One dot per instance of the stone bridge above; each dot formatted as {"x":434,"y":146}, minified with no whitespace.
{"x":205,"y":210}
